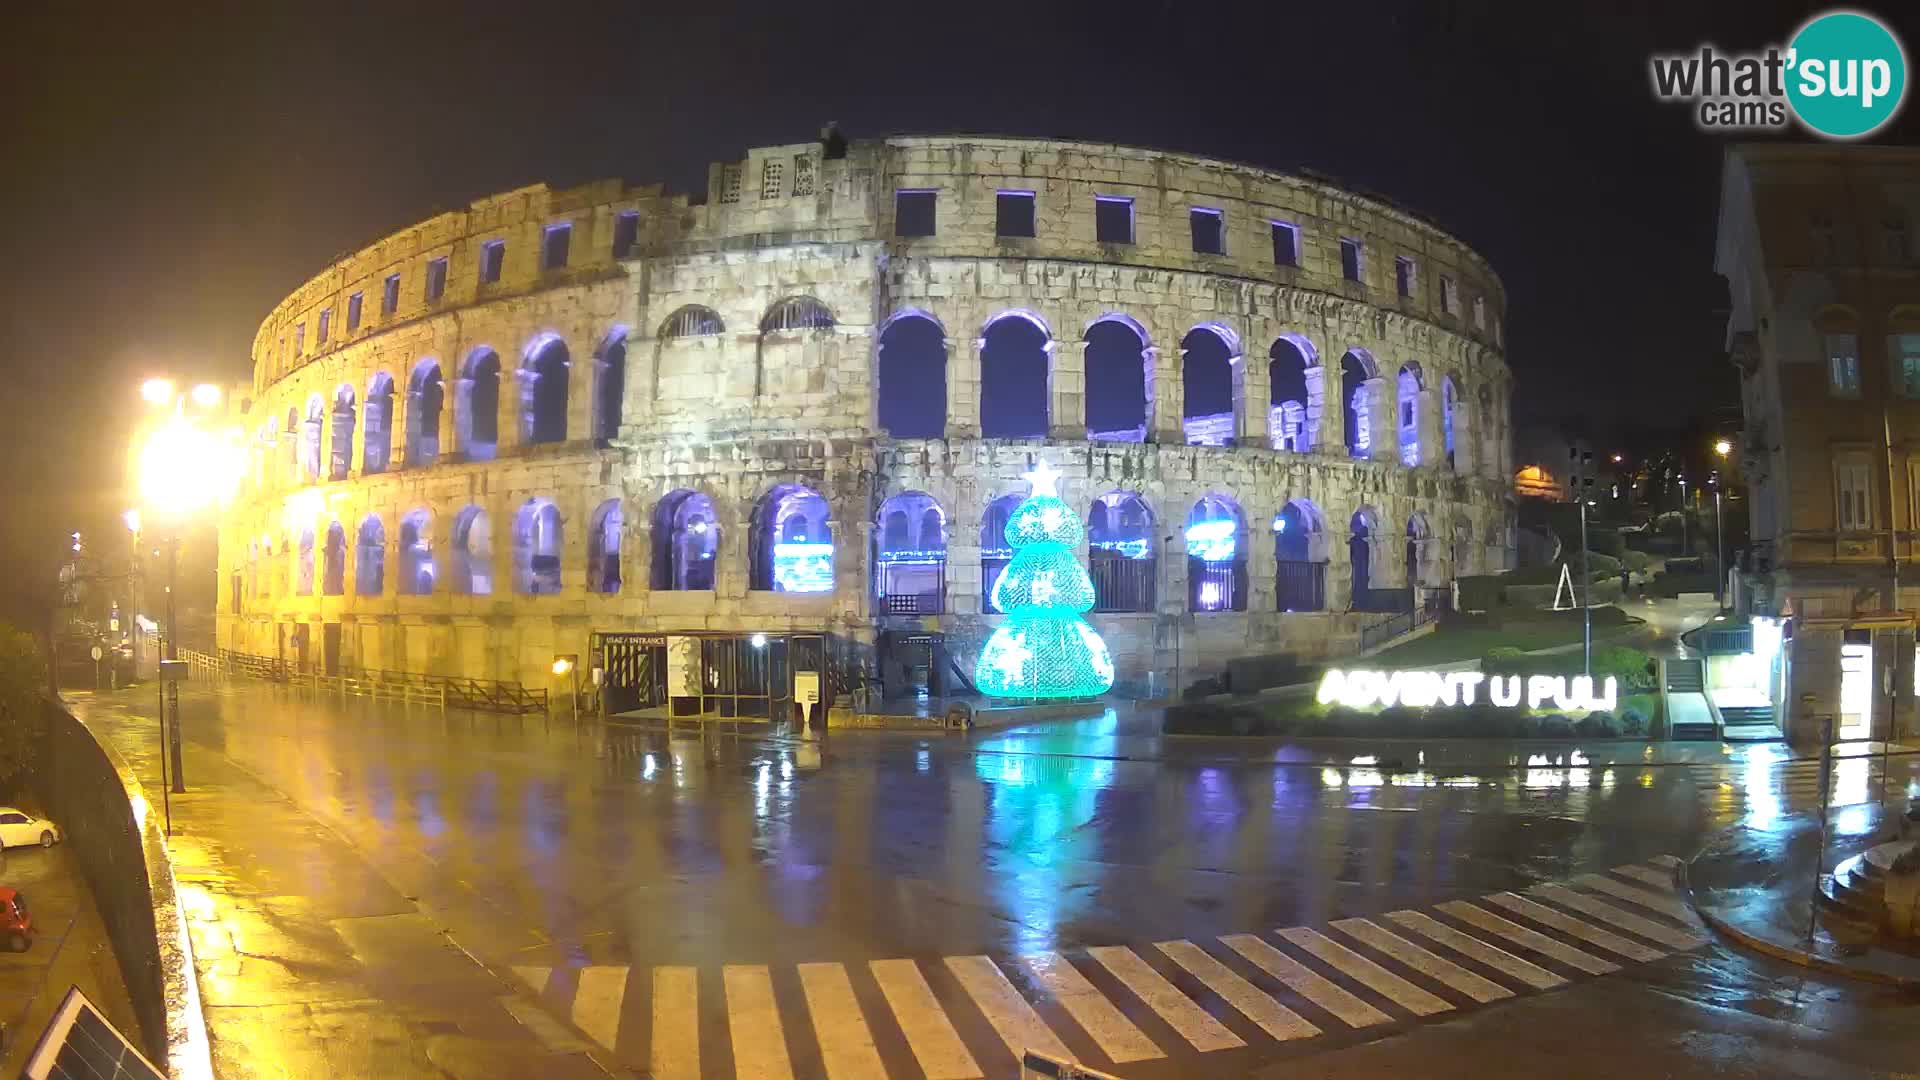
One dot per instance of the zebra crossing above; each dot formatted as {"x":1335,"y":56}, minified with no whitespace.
{"x":1153,"y":1009}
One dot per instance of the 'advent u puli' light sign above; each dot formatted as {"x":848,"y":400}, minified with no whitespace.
{"x":1424,"y":689}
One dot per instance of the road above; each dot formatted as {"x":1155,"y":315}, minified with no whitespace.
{"x":920,"y":904}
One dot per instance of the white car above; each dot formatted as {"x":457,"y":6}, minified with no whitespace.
{"x":19,"y":829}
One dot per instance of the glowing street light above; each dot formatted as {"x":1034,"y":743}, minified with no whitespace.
{"x":206,"y":395}
{"x":1723,"y":447}
{"x":157,"y":391}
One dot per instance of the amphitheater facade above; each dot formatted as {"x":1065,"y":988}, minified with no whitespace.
{"x":714,"y":446}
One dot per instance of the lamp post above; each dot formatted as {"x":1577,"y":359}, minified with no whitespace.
{"x":1683,"y":514}
{"x":1721,"y":448}
{"x":182,"y":469}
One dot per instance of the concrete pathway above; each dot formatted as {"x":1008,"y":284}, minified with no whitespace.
{"x":71,"y":949}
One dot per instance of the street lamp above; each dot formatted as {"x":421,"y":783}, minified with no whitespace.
{"x":182,"y":469}
{"x":1721,"y":449}
{"x":1683,"y":514}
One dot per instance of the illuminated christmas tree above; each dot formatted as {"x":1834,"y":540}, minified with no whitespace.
{"x":1044,"y":649}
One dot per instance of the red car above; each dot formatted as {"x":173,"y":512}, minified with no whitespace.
{"x":16,"y":923}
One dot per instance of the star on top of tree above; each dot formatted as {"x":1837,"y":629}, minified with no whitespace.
{"x":1043,"y":477}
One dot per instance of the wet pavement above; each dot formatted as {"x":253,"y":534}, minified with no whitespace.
{"x":69,"y":948}
{"x":459,"y":885}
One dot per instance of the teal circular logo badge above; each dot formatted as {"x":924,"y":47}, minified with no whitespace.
{"x":1847,"y":74}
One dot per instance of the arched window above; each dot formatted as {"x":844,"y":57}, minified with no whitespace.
{"x":686,"y":540}
{"x":303,"y":565}
{"x":1288,"y":425}
{"x":912,"y":366}
{"x":1209,"y":379}
{"x":416,"y":555}
{"x":995,"y":552}
{"x":796,"y":313}
{"x":310,"y":432}
{"x":1119,"y":380}
{"x":292,"y":437}
{"x":333,"y":563}
{"x":1418,"y":537}
{"x":1409,"y":387}
{"x":472,"y":553}
{"x":692,"y":320}
{"x":1216,"y":556}
{"x":476,"y":406}
{"x":1123,"y":554}
{"x":603,"y":548}
{"x":426,"y":393}
{"x":1488,"y":421}
{"x":1361,"y":530}
{"x":610,"y":385}
{"x":792,"y":541}
{"x":543,"y":392}
{"x":340,"y":445}
{"x":1300,"y":557}
{"x":370,"y":558}
{"x":536,"y":548}
{"x":1449,"y":405}
{"x":1356,"y":368}
{"x":1015,"y":375}
{"x":910,"y":557}
{"x":376,"y":443}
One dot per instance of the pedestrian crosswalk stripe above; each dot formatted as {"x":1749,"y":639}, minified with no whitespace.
{"x":1253,"y":1003}
{"x":1302,"y":980}
{"x":1656,"y":878}
{"x":1019,"y":1026}
{"x":535,"y":977}
{"x":1528,"y":939}
{"x":1117,"y":1036}
{"x":676,"y":1023}
{"x":846,"y":1044}
{"x":1367,"y":973}
{"x":1625,"y":920}
{"x":935,"y":1044}
{"x":596,"y":1004}
{"x":1192,"y":1022}
{"x":1422,"y":961}
{"x":1587,"y":932}
{"x":1665,"y":905}
{"x":1467,"y":945}
{"x":753,"y":1020}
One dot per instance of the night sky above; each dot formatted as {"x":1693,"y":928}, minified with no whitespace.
{"x":169,"y":176}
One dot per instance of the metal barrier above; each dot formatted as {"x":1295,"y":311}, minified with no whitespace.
{"x":442,"y":691}
{"x":1393,"y":626}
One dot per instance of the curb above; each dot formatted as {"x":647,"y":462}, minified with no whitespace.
{"x":1776,"y":951}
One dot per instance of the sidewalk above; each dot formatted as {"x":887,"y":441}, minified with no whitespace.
{"x":310,"y":962}
{"x":1755,"y":887}
{"x":71,"y":949}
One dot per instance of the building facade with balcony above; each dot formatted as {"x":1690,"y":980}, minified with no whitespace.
{"x":1816,"y":244}
{"x":719,"y":441}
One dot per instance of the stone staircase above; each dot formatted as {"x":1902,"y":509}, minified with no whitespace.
{"x":1853,"y":900}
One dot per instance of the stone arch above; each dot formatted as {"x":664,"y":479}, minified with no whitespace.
{"x":1016,"y":376}
{"x":1357,"y":372}
{"x":370,"y":557}
{"x":1119,"y":379}
{"x":911,"y":370}
{"x":536,"y":548}
{"x":542,"y":380}
{"x":1451,"y":408}
{"x":604,"y":530}
{"x":1300,"y":544}
{"x":1123,"y":552}
{"x":426,"y":394}
{"x":416,"y":554}
{"x":1216,"y":541}
{"x":1293,"y":418}
{"x":692,"y":320}
{"x":310,"y":432}
{"x":1210,"y":371}
{"x":1408,"y":388}
{"x":1464,"y":554}
{"x":333,"y":561}
{"x":376,"y":439}
{"x":341,"y":420}
{"x":686,"y":542}
{"x":610,"y":384}
{"x":796,"y":313}
{"x":1419,"y":551}
{"x":472,"y":552}
{"x":1363,"y":532}
{"x":910,"y":555}
{"x":791,"y":543}
{"x":303,"y":564}
{"x":476,"y":405}
{"x":995,"y":551}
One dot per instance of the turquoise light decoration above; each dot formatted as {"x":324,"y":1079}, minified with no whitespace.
{"x":1044,"y":649}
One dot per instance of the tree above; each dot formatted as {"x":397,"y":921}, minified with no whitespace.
{"x":1044,"y":649}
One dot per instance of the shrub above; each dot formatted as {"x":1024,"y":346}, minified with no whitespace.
{"x":23,"y":681}
{"x":1556,"y":727}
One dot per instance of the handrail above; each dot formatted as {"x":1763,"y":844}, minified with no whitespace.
{"x":491,"y":695}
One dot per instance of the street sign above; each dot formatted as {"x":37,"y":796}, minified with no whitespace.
{"x":173,"y":670}
{"x":98,"y":652}
{"x":806,"y":688}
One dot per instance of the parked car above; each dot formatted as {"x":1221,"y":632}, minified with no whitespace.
{"x":20,"y":829}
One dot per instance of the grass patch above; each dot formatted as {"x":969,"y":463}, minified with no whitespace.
{"x":1450,"y":644}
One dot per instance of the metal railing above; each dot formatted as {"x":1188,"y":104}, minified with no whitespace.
{"x":1300,"y":585}
{"x":486,"y":695}
{"x":1122,"y":584}
{"x":1393,"y":626}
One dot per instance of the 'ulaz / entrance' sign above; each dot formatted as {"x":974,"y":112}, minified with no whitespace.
{"x":1423,"y":689}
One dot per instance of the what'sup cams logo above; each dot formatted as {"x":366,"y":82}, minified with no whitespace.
{"x":1842,"y":76}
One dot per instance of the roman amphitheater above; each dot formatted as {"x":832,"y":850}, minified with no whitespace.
{"x":714,"y":445}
